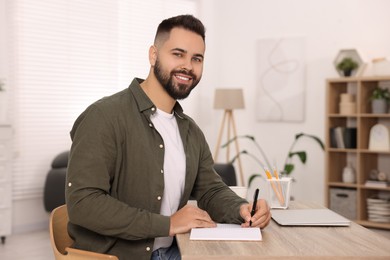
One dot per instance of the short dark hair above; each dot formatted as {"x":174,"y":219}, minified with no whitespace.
{"x":188,"y":22}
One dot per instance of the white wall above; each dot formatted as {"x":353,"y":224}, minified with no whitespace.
{"x":3,"y":63}
{"x":232,"y":29}
{"x":3,"y":45}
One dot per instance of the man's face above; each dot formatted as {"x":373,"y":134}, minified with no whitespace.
{"x":179,"y":63}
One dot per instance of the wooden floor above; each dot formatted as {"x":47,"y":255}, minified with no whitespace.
{"x":27,"y":246}
{"x":36,"y":246}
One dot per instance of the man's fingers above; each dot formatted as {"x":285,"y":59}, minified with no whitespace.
{"x":193,"y":217}
{"x":260,"y":219}
{"x":204,"y":224}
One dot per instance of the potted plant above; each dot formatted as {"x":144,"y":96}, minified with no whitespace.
{"x":347,"y":65}
{"x":288,"y":164}
{"x":380,"y":98}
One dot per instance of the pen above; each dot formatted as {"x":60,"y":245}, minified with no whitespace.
{"x":254,"y":205}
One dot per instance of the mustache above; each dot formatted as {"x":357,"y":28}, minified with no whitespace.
{"x":185,"y":72}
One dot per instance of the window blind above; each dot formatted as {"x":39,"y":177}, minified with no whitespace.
{"x":64,"y":56}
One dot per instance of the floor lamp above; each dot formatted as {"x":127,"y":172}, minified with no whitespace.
{"x":228,"y":100}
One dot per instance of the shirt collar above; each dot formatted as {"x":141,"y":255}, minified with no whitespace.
{"x":144,"y":102}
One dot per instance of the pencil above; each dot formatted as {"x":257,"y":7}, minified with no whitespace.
{"x":279,"y":186}
{"x":269,"y":176}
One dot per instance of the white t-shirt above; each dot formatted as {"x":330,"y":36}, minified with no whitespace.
{"x":174,"y":168}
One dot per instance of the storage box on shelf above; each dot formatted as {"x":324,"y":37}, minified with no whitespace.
{"x":363,"y":160}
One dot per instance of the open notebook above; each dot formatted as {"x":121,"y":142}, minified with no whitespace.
{"x":309,"y":217}
{"x":226,"y":232}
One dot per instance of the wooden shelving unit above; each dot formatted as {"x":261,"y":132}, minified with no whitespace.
{"x":362,"y":159}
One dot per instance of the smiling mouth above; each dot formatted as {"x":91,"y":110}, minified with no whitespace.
{"x":183,"y":78}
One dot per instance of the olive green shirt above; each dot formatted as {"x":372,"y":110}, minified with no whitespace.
{"x":115,"y":178}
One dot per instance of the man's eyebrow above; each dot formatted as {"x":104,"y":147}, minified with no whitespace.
{"x":184,"y":51}
{"x":179,"y":49}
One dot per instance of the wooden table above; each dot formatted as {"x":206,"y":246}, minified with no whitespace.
{"x":352,"y":242}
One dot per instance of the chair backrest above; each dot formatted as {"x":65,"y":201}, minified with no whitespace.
{"x":54,"y":189}
{"x":59,"y":236}
{"x":61,"y":241}
{"x":227,"y":173}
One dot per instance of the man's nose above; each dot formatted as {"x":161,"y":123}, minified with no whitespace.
{"x":187,"y":65}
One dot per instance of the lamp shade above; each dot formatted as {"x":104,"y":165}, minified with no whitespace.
{"x":229,"y":98}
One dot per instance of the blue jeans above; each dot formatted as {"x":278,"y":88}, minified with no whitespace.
{"x":169,"y":253}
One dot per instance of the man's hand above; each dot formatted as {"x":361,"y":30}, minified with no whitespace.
{"x":262,"y":216}
{"x":189,"y":217}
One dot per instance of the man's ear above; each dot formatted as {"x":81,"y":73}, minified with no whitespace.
{"x":152,"y":55}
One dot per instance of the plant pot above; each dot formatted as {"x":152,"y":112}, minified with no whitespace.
{"x":347,"y":73}
{"x":379,"y":106}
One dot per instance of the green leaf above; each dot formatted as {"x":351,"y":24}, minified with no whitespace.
{"x":237,"y":137}
{"x":238,"y":155}
{"x":288,"y":168}
{"x":228,"y":142}
{"x":250,"y":137}
{"x":301,"y":155}
{"x":252,"y":177}
{"x":318,"y":140}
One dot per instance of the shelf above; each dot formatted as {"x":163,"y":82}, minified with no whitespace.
{"x":375,"y":115}
{"x":372,"y":224}
{"x":373,"y":152}
{"x":345,"y":198}
{"x":363,"y":115}
{"x":356,"y":79}
{"x":339,"y":150}
{"x":342,"y":150}
{"x":343,"y":185}
{"x":335,"y":115}
{"x":374,"y":188}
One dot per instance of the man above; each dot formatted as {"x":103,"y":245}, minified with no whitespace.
{"x":136,"y":158}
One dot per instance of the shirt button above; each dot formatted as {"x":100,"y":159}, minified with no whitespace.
{"x":161,"y":146}
{"x":69,"y":184}
{"x":159,"y":197}
{"x":162,"y":171}
{"x":147,"y":248}
{"x":153,"y":108}
{"x":150,"y":124}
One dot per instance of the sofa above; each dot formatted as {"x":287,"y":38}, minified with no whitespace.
{"x":54,"y":188}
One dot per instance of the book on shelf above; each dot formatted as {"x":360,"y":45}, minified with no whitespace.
{"x":343,"y":137}
{"x":339,"y":137}
{"x":332,"y":135}
{"x":377,"y":184}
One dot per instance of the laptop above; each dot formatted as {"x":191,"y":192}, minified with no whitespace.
{"x":309,"y":217}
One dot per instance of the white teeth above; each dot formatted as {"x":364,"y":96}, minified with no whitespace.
{"x":182,"y":78}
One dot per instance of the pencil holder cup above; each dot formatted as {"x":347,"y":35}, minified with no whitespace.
{"x":278,"y":192}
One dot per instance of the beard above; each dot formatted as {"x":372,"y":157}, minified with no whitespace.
{"x":176,"y":91}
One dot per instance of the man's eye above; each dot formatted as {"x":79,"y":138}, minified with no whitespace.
{"x":177,"y":54}
{"x":197,"y":59}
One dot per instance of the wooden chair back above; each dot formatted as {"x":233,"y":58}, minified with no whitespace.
{"x":61,"y":241}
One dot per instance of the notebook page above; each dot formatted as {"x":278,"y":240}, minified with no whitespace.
{"x":226,"y":232}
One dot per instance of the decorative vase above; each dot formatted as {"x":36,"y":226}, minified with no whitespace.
{"x":349,"y":175}
{"x":379,"y":106}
